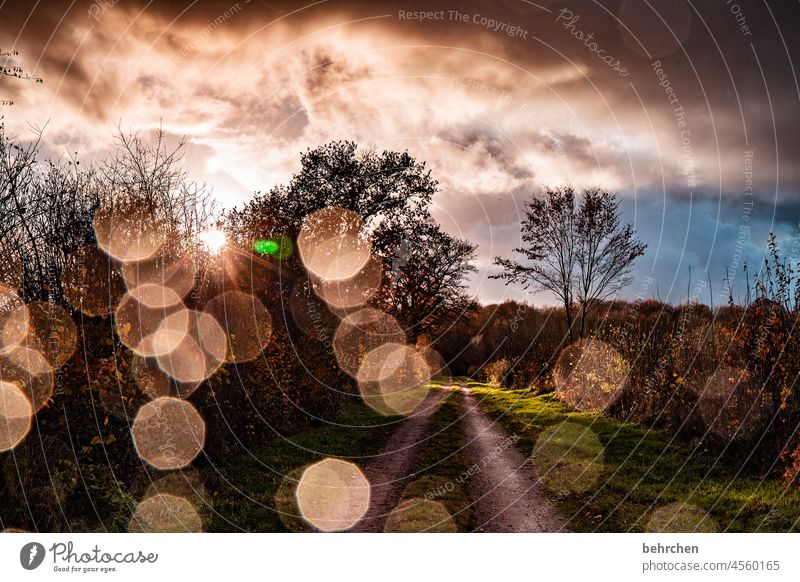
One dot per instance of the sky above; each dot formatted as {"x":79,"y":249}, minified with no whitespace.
{"x":688,"y":111}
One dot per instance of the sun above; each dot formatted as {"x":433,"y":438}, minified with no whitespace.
{"x":213,"y":239}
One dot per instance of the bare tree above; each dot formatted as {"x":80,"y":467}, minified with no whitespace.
{"x":549,"y":236}
{"x":47,"y":205}
{"x":581,"y":254}
{"x":151,"y":171}
{"x":605,"y":251}
{"x":20,"y":172}
{"x":13,"y":70}
{"x":57,"y":221}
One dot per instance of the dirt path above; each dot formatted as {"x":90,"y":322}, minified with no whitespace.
{"x":503,"y":487}
{"x":391,"y":470}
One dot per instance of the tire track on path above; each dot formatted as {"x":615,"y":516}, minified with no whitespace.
{"x":504,"y":491}
{"x":392,"y":469}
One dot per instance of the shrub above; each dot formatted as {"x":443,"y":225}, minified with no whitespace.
{"x":496,"y":371}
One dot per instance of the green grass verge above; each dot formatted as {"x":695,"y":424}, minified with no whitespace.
{"x":638,"y":474}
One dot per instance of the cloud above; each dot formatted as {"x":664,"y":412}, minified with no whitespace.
{"x":253,"y":84}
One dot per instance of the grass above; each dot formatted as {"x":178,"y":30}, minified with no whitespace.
{"x":244,"y":486}
{"x":615,"y":477}
{"x":252,"y":490}
{"x":641,"y":477}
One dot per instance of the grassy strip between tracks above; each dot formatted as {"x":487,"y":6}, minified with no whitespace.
{"x":436,"y":500}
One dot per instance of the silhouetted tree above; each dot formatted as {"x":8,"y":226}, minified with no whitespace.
{"x":388,"y":190}
{"x":22,"y":205}
{"x":579,"y":253}
{"x":606,"y":250}
{"x":47,"y":205}
{"x":424,"y":268}
{"x":549,"y":235}
{"x":425,"y":277}
{"x":153,"y":171}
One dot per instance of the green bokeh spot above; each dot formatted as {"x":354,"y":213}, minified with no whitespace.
{"x":266,"y":247}
{"x":280,"y":247}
